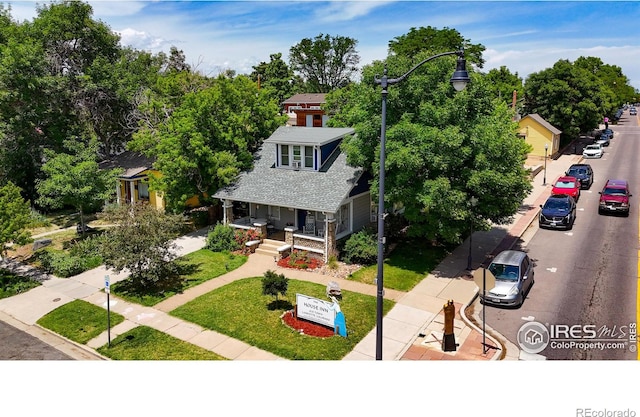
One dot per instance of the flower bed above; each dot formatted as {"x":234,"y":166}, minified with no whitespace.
{"x":306,"y":327}
{"x":300,"y":260}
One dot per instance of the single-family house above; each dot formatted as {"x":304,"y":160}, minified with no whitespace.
{"x":306,"y":110}
{"x":301,"y":193}
{"x":538,"y":132}
{"x":132,"y":185}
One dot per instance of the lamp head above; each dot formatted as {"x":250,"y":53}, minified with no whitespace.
{"x":460,"y":77}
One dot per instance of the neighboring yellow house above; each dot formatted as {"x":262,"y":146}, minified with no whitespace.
{"x":133,"y":184}
{"x":537,"y":132}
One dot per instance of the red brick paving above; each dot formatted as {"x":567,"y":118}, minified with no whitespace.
{"x":470,"y":348}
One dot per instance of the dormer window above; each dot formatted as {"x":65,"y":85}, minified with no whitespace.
{"x":296,"y":156}
{"x":284,"y":155}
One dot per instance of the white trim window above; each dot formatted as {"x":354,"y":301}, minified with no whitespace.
{"x":284,"y":155}
{"x":143,"y":190}
{"x":296,"y":156}
{"x":274,"y":212}
{"x":344,"y":218}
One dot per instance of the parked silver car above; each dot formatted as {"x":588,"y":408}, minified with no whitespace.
{"x":514,"y":277}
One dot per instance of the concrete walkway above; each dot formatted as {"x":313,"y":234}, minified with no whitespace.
{"x":412,"y":330}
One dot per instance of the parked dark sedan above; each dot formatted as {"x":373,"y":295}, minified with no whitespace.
{"x":558,"y":212}
{"x":583,"y":172}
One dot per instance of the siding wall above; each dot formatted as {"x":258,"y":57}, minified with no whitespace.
{"x":361,"y":211}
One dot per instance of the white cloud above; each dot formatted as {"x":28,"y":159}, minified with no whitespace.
{"x":340,"y":11}
{"x":528,"y":60}
{"x":142,"y":40}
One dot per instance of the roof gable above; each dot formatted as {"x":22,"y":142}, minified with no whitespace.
{"x":306,"y":98}
{"x":538,"y":119}
{"x":133,"y":163}
{"x":303,"y":135}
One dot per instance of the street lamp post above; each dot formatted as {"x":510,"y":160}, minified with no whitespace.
{"x":459,"y":81}
{"x":544,"y":176}
{"x":472,"y":202}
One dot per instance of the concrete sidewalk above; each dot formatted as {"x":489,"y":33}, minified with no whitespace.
{"x":412,"y":329}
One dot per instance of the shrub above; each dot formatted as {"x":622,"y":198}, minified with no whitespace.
{"x":37,"y":219}
{"x":274,"y":284}
{"x":63,"y":265}
{"x":361,"y":248}
{"x":89,"y":246}
{"x":222,"y":239}
{"x":243,"y":236}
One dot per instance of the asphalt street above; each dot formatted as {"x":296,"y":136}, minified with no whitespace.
{"x":16,"y":344}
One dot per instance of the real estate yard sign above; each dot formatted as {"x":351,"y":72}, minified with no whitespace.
{"x":316,"y":310}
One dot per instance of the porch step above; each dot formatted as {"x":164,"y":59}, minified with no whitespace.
{"x":269,"y":247}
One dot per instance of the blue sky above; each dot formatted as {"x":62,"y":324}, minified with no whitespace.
{"x":525,"y":37}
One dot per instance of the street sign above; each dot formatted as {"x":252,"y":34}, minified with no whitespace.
{"x":482,"y":274}
{"x":486,"y":281}
{"x":107,"y":286}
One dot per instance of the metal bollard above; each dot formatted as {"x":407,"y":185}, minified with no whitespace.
{"x":449,"y":340}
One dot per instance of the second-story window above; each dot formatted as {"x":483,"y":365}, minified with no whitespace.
{"x":296,"y":153}
{"x":308,"y":157}
{"x":284,"y":155}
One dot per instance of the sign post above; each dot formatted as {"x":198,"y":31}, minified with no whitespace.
{"x":107,"y":289}
{"x":484,"y":279}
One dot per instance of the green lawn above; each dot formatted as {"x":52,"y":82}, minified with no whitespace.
{"x":241,"y":311}
{"x":79,"y":321}
{"x":11,"y":284}
{"x":146,"y":343}
{"x":408,"y":264}
{"x":197,"y":267}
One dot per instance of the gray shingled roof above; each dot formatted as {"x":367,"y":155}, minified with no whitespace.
{"x":308,"y":190}
{"x":133,"y":163}
{"x":304,"y":135}
{"x":306,"y":98}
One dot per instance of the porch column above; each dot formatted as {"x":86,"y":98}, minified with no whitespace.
{"x":227,"y":211}
{"x":118,"y":197}
{"x":330,"y":238}
{"x":132,"y":190}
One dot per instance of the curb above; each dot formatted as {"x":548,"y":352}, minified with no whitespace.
{"x":501,"y":351}
{"x":86,"y":349}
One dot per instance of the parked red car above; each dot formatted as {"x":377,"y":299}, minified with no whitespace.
{"x":567,"y":185}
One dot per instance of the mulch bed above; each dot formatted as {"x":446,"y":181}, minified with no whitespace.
{"x":306,"y":327}
{"x":310,"y":263}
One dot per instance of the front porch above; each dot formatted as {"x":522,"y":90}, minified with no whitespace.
{"x":273,"y":240}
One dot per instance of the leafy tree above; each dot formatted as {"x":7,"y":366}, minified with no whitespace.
{"x":75,"y":179}
{"x":430,"y":39}
{"x":208,"y":139}
{"x":274,"y":284}
{"x":14,"y":217}
{"x":63,"y":75}
{"x":276,"y":77}
{"x":141,"y":243}
{"x":568,"y":96}
{"x":612,"y":79}
{"x":442,"y":149}
{"x":502,"y":83}
{"x":325,"y":62}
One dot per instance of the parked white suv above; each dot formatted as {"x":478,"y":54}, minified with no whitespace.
{"x":593,"y":151}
